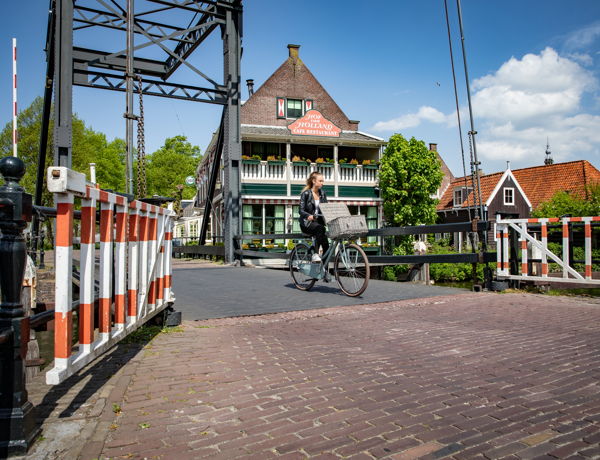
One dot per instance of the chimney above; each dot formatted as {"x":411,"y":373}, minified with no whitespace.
{"x":294,"y":51}
{"x":433,"y":147}
{"x":250,"y":84}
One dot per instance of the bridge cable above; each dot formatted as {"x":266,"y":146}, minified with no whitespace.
{"x":462,"y":148}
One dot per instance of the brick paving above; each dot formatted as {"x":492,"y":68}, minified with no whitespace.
{"x":464,"y":376}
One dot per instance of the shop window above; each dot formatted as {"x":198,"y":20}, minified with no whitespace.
{"x":294,"y":108}
{"x":252,"y":219}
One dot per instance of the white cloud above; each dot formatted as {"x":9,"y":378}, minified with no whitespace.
{"x":518,"y":107}
{"x":583,"y":37}
{"x":532,"y":87}
{"x":412,"y":120}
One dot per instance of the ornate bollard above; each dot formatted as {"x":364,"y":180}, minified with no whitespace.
{"x":18,"y":427}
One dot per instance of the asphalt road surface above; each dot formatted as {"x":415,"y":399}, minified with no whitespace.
{"x":205,"y":291}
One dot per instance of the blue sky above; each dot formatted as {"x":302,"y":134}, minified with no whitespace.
{"x":534,"y":69}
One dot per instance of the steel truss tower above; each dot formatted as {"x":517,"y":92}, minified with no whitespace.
{"x":171,"y":29}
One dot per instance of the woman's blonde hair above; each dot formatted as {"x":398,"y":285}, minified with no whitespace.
{"x":311,"y":179}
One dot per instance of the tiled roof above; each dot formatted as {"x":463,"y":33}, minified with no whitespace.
{"x":539,"y":183}
{"x":283,"y":132}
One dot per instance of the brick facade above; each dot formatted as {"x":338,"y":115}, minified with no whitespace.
{"x":292,"y":80}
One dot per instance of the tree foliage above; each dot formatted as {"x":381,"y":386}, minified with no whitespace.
{"x":168,"y":167}
{"x":409,"y":175}
{"x":563,"y":203}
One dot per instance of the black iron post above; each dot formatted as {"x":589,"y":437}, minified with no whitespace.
{"x":18,"y":427}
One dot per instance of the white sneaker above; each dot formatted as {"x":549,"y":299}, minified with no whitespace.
{"x":316,"y":258}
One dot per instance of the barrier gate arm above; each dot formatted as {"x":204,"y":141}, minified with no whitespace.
{"x":524,"y":234}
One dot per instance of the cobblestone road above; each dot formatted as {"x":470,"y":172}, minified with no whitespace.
{"x":464,"y":376}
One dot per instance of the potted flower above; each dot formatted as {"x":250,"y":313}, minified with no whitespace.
{"x":273,"y":160}
{"x":250,"y":160}
{"x":351,"y":164}
{"x":368,"y":164}
{"x":297,"y":160}
{"x":322,"y":162}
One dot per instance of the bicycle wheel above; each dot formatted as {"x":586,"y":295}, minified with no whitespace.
{"x":352,"y":270}
{"x":301,"y":255}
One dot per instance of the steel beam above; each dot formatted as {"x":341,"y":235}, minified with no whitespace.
{"x":232,"y":138}
{"x":151,"y":87}
{"x":63,"y":105}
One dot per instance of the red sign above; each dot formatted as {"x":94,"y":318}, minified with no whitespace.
{"x":314,"y":124}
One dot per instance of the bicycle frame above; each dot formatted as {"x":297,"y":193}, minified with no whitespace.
{"x":318,"y":270}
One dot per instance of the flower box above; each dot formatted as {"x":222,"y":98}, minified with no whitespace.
{"x":325,"y":165}
{"x":348,"y":165}
{"x":301,"y":163}
{"x":370,"y":167}
{"x":276,"y":162}
{"x":250,"y":161}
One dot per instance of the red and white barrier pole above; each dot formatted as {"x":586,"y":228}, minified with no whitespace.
{"x":14,"y":66}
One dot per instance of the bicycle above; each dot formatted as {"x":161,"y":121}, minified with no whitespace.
{"x":350,"y":263}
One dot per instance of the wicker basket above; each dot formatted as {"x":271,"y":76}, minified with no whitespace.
{"x":340,"y":223}
{"x":348,"y":227}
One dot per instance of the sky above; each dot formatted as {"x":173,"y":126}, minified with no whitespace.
{"x":533,"y":66}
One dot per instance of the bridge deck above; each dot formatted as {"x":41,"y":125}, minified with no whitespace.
{"x":206,"y":291}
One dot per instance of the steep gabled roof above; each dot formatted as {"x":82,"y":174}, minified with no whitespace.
{"x":293,"y":80}
{"x":540,"y":183}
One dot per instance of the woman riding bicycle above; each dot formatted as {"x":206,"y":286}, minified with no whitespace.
{"x":311,"y":220}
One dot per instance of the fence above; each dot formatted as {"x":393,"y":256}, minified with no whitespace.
{"x":532,"y":251}
{"x":134,"y":277}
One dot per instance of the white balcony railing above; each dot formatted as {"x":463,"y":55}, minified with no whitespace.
{"x":276,"y":172}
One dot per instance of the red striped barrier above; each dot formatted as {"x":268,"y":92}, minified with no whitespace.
{"x":134,"y":251}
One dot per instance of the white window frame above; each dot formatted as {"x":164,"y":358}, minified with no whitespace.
{"x":457,"y":191}
{"x":512,"y":193}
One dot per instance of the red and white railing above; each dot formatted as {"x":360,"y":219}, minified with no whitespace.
{"x":528,"y":231}
{"x":134,"y":250}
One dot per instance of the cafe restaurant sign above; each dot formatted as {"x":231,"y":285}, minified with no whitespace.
{"x":314,"y":124}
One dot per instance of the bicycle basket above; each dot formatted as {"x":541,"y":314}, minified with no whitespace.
{"x":347,"y":227}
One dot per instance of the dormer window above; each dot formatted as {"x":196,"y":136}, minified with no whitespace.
{"x":509,"y":196}
{"x":460,"y":195}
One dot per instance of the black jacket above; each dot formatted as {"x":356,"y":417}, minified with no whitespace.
{"x":307,"y":207}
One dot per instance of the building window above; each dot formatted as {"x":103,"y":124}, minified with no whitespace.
{"x":252,"y":219}
{"x":509,"y":196}
{"x":265,"y":149}
{"x":274,"y":220}
{"x":458,"y":197}
{"x":294,"y":108}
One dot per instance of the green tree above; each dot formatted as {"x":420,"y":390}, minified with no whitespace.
{"x":563,"y":203}
{"x":168,"y":167}
{"x":409,"y":175}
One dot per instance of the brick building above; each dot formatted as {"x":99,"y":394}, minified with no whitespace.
{"x":290,"y":127}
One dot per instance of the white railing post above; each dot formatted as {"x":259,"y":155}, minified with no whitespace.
{"x":63,"y":310}
{"x":106,"y":248}
{"x":524,"y":261}
{"x":588,"y":247}
{"x":133,"y":263}
{"x":565,"y":248}
{"x":87,"y":269}
{"x":120,"y":267}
